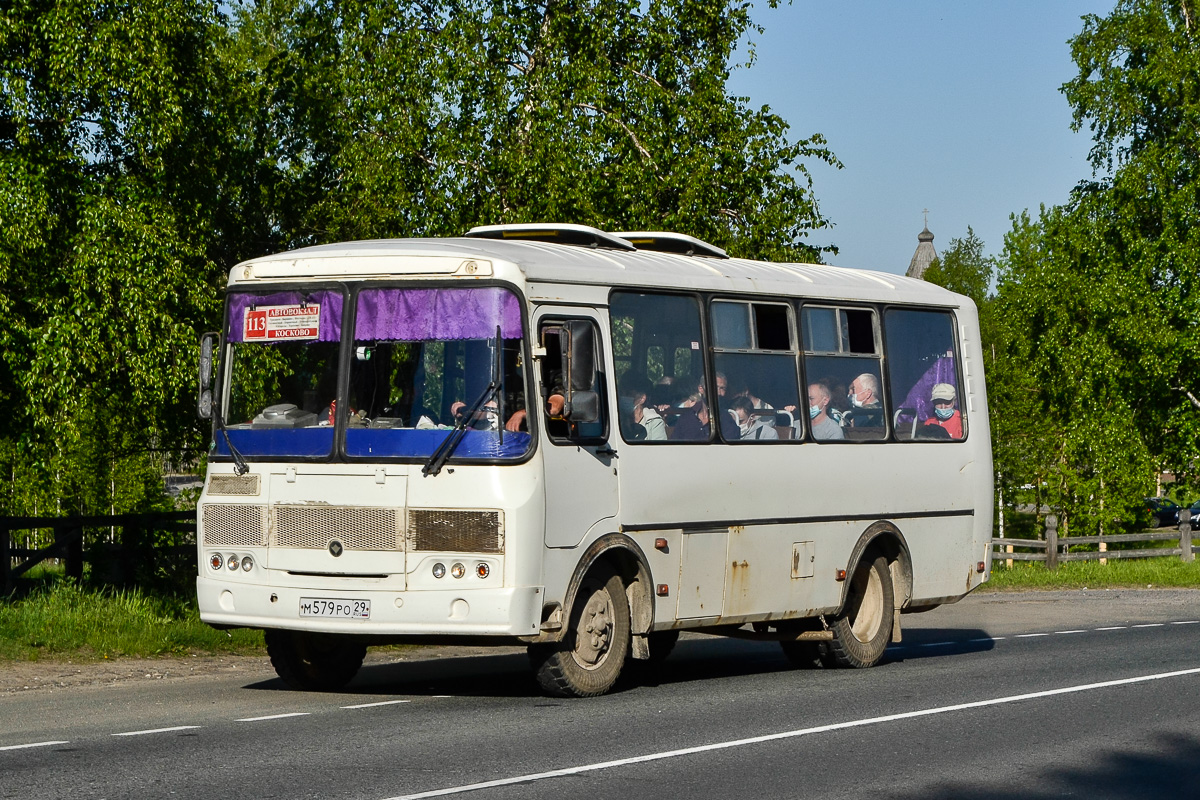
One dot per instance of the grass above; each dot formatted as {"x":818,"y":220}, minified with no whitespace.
{"x":60,"y":620}
{"x":1142,"y":573}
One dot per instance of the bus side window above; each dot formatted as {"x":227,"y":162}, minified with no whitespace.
{"x":754,"y":351}
{"x":552,"y":375}
{"x":657,"y":347}
{"x":842,"y":355}
{"x":923,"y":376}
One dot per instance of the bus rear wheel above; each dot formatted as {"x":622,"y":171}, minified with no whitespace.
{"x":588,"y":661}
{"x":314,"y":662}
{"x":863,"y":630}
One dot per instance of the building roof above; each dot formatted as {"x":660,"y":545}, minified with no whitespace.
{"x":924,"y":255}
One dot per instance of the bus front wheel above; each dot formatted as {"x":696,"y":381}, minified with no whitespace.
{"x":314,"y":662}
{"x":862,"y":631}
{"x":588,"y":661}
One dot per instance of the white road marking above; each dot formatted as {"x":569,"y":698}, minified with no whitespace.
{"x":938,"y":644}
{"x":773,"y":737}
{"x":1113,"y":628}
{"x":1150,"y":625}
{"x":275,"y":716}
{"x":988,"y":639}
{"x":1030,"y":635}
{"x":1078,"y":631}
{"x":158,"y":730}
{"x":384,"y":703}
{"x":32,"y":744}
{"x":1188,"y":622}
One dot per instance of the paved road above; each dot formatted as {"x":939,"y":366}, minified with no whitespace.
{"x":1086,"y":694}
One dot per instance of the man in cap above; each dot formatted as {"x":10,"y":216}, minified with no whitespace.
{"x":944,"y":412}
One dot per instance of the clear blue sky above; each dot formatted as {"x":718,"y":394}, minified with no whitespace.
{"x":949,"y":106}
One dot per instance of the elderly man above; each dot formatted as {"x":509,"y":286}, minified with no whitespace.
{"x":866,"y":408}
{"x":823,"y":425}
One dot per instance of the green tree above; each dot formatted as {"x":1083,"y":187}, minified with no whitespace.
{"x":1096,"y":299}
{"x":146,"y":146}
{"x":426,"y":119}
{"x":962,"y":267}
{"x":109,"y":142}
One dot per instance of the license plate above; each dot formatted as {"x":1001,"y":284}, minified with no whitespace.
{"x":341,"y":609}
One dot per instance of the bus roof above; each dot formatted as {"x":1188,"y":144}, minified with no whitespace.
{"x":547,"y":262}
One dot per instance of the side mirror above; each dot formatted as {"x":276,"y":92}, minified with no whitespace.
{"x":579,"y":362}
{"x":204,"y":399}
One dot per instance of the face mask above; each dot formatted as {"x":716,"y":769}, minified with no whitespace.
{"x":813,"y":411}
{"x":854,"y":401}
{"x":944,"y":413}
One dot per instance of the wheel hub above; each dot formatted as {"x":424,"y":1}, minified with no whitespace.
{"x":594,"y":635}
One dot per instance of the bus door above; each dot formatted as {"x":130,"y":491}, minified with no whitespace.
{"x":580,"y":463}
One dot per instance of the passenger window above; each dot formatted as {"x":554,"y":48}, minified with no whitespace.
{"x":756,"y":375}
{"x":660,"y":368}
{"x":842,"y":364}
{"x":923,"y":376}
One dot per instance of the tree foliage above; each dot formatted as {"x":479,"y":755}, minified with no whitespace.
{"x":964,"y":268}
{"x":146,"y":146}
{"x":1096,"y":310}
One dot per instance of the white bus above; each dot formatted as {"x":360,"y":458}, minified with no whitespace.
{"x":585,"y":442}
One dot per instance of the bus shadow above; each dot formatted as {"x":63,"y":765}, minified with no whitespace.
{"x":934,"y":642}
{"x":695,"y":658}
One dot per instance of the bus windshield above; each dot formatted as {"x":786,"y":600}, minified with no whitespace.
{"x":419,"y":358}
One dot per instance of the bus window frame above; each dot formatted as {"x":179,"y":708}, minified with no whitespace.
{"x":879,"y":357}
{"x":710,"y":381}
{"x":558,"y":321}
{"x":956,"y":333}
{"x":796,"y":352}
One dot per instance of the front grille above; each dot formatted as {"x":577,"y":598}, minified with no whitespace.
{"x":233,"y":484}
{"x":233,"y":525}
{"x":314,"y":527}
{"x":455,"y":531}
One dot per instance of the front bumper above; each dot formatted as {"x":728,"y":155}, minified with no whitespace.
{"x":450,"y":612}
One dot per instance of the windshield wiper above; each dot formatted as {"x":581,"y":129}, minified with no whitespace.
{"x":240,"y":467}
{"x":448,"y":445}
{"x":446,"y":449}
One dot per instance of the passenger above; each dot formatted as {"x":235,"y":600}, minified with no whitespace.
{"x":743,"y":390}
{"x":751,"y":426}
{"x":694,"y":423}
{"x":638,"y":420}
{"x":866,"y":409}
{"x":729,"y":428}
{"x":823,"y":425}
{"x":945,"y":414}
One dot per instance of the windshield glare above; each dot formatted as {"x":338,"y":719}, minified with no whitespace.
{"x":420,"y":358}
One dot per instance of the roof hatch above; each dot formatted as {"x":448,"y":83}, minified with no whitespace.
{"x":667,"y":242}
{"x":559,"y":233}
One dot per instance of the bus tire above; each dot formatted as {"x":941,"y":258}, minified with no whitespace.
{"x":863,"y":630}
{"x":588,"y":661}
{"x":314,"y":662}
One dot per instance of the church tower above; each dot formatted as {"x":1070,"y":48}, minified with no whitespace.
{"x":924,"y":255}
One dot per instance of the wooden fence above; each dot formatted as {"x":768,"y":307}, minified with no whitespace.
{"x":1050,"y":546}
{"x":156,"y":550}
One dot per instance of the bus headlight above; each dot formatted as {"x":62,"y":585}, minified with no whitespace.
{"x":247,"y":564}
{"x":216,"y":560}
{"x":233,"y":561}
{"x":439,"y":570}
{"x":482,"y":569}
{"x":458,"y":570}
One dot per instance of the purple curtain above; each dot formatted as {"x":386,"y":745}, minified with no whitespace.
{"x":941,"y":372}
{"x":415,"y":315}
{"x":329,"y":301}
